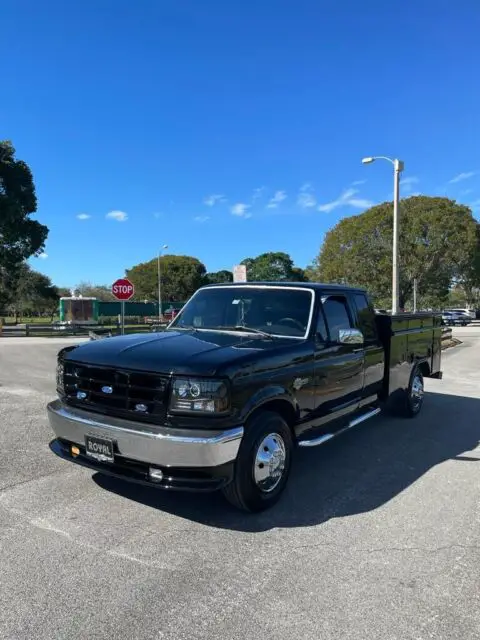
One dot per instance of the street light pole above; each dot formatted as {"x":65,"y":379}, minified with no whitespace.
{"x":165,"y":246}
{"x":396,"y":199}
{"x":398,"y":167}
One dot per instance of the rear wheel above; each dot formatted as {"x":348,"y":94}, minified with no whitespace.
{"x":415,"y":394}
{"x":263,"y":463}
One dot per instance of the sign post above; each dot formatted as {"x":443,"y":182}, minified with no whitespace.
{"x":239,"y":273}
{"x":123,"y":290}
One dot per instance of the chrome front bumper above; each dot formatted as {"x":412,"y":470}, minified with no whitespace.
{"x":146,"y":443}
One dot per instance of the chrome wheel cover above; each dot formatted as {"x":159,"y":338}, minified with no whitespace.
{"x":269,"y":463}
{"x":417,"y":392}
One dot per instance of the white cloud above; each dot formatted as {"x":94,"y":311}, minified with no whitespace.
{"x":241,"y":209}
{"x":357,"y":183}
{"x":257,"y":194}
{"x":360,"y":203}
{"x":305,"y":198}
{"x":214,"y":199}
{"x":406,"y":184}
{"x":278,"y":196}
{"x":119,"y":216}
{"x":465,"y":192}
{"x":157,"y":214}
{"x":346,"y":199}
{"x":475,"y":204}
{"x":83,"y":216}
{"x":462,"y":176}
{"x":43,"y":256}
{"x":408,"y":181}
{"x":201,"y":218}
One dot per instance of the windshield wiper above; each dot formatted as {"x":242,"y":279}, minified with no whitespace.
{"x":240,"y":327}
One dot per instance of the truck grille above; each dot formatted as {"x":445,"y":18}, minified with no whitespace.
{"x":141,"y":396}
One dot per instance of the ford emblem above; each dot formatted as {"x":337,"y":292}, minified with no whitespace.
{"x":107,"y":389}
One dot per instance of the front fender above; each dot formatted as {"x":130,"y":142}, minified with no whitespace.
{"x":268,"y":394}
{"x":65,"y":350}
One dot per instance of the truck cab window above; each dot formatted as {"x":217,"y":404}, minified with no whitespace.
{"x":366,"y":317}
{"x":336,"y":313}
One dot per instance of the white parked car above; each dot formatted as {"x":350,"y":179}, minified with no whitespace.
{"x":455,"y":318}
{"x":469,"y":312}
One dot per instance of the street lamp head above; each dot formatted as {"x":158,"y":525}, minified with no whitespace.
{"x":165,"y":246}
{"x":368,"y":160}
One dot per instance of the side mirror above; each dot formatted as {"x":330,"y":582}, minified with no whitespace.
{"x":350,"y":336}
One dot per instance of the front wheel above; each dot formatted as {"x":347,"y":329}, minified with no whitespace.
{"x":263,"y":463}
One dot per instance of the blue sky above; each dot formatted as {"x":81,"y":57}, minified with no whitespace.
{"x":229,"y":128}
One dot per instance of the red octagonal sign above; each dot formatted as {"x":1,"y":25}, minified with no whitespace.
{"x":123,"y":289}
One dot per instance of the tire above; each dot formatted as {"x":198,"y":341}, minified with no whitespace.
{"x":263,"y":463}
{"x":415,"y":394}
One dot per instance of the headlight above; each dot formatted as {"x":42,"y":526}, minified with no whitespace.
{"x":60,"y":372}
{"x":202,"y":396}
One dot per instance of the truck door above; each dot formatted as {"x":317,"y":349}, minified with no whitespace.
{"x":374,"y":353}
{"x":338,"y":367}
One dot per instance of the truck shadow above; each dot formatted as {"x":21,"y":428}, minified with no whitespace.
{"x":359,"y":472}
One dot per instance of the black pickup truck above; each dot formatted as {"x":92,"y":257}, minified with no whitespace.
{"x":243,"y":375}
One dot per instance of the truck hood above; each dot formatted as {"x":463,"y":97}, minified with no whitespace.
{"x":193,"y":352}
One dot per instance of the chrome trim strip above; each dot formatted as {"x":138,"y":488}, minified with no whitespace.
{"x":224,"y":436}
{"x":366,"y":416}
{"x":155,"y":445}
{"x":315,"y":442}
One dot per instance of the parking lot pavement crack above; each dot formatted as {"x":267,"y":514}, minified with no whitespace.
{"x":41,"y":523}
{"x":14,"y":485}
{"x":424,"y":550}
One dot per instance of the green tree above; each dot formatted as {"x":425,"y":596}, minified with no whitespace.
{"x":64,"y":292}
{"x":181,"y":276}
{"x":311,"y":271}
{"x":299,"y":275}
{"x":272,"y":266}
{"x":218,"y":277}
{"x":437,"y":244}
{"x":20,"y":236}
{"x":33,"y":294}
{"x":90,"y":290}
{"x":468,"y":273}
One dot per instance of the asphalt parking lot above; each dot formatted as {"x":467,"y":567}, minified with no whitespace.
{"x":377,"y":537}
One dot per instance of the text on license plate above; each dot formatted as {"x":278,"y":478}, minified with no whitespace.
{"x":99,"y":448}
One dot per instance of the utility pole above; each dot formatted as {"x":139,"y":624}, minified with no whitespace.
{"x":159,"y":275}
{"x":398,"y":167}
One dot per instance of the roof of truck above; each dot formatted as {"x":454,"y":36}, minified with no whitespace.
{"x":301,"y":285}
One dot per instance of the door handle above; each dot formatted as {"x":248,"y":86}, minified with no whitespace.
{"x":358,"y":350}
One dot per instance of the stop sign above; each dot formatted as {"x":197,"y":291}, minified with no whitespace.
{"x":123,"y":289}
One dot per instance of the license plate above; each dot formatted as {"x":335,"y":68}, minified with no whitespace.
{"x":99,"y":448}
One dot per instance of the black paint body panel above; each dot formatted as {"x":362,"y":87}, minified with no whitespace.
{"x":313,"y":382}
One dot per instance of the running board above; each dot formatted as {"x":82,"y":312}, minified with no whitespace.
{"x":315,"y":442}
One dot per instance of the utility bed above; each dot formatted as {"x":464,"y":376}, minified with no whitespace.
{"x":408,"y":339}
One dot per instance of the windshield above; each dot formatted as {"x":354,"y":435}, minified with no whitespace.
{"x":279,"y":311}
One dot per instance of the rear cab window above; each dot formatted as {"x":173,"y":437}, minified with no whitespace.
{"x":336,"y":313}
{"x":365,"y":317}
